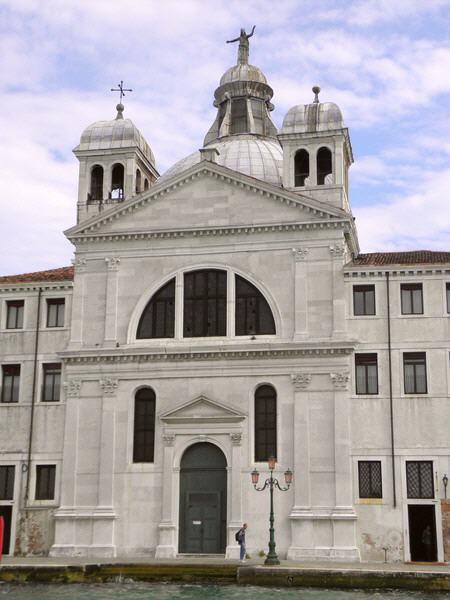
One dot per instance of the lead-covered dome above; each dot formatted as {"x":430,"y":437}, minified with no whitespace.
{"x":256,"y":157}
{"x":117,"y":133}
{"x":317,"y":116}
{"x":243,"y":72}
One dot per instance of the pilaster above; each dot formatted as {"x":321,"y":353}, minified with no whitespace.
{"x":112,"y":264}
{"x":235,"y":521}
{"x":167,"y":528}
{"x":300,"y":291}
{"x":338,"y":252}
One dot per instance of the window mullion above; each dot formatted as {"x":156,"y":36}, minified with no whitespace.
{"x":179,"y":303}
{"x":231,"y":304}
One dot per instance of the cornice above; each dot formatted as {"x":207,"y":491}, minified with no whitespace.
{"x":369,"y":272}
{"x":34,"y":287}
{"x":143,"y":356}
{"x":214,"y":171}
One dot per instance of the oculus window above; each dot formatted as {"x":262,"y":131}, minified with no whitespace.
{"x":205,"y":298}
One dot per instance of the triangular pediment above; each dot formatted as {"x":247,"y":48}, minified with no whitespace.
{"x":202,"y":410}
{"x":206,"y":195}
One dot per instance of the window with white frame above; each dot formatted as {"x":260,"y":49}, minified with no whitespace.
{"x":14,"y":314}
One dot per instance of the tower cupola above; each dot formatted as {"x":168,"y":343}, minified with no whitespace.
{"x":116,"y":163}
{"x":317,"y":152}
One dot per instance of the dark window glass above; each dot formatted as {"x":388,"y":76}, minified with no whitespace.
{"x":7,"y":482}
{"x":301,"y":168}
{"x":158,"y":318}
{"x":144,"y":426}
{"x":14,"y":314}
{"x":265,"y":423}
{"x":205,"y":303}
{"x":117,"y":179}
{"x":369,"y":477}
{"x":10,"y":383}
{"x":415,"y":372}
{"x":419,"y":479}
{"x":366,"y":367}
{"x":363,"y":300}
{"x":55,"y":312}
{"x":45,"y":482}
{"x":138,"y":181}
{"x":96,"y":183}
{"x":258,"y":115}
{"x":447,"y":290}
{"x":239,"y":116}
{"x":52,"y":382}
{"x":253,"y":314}
{"x":412,"y":303}
{"x":324,"y":166}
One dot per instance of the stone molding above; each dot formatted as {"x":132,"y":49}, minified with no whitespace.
{"x":34,"y":287}
{"x":371,"y":271}
{"x":139,"y":357}
{"x":300,"y":254}
{"x":80,"y":264}
{"x":109,"y":386}
{"x":168,"y":439}
{"x":112,"y":263}
{"x":337,"y":250}
{"x":340,"y":380}
{"x":72,"y":388}
{"x":301,"y":380}
{"x":236,"y":438}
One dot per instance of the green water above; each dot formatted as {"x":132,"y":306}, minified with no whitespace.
{"x":158,"y":591}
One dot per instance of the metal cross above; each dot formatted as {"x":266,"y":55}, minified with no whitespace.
{"x":121,"y":89}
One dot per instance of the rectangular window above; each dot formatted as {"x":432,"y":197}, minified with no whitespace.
{"x":415,"y":372}
{"x":144,"y":426}
{"x":55,"y":312}
{"x":239,"y":115}
{"x":7,"y":482}
{"x":363,"y":300}
{"x":14,"y":314}
{"x":419,"y":479}
{"x":369,"y":477}
{"x":447,"y":290}
{"x":10,"y":383}
{"x":205,"y":303}
{"x":366,"y":367}
{"x":412,"y":300}
{"x":45,"y":482}
{"x":51,"y":384}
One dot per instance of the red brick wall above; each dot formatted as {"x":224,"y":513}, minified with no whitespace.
{"x":445,"y":508}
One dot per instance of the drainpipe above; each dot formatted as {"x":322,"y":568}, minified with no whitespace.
{"x":391,"y":407}
{"x":33,"y":397}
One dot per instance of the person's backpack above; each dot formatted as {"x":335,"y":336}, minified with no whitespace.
{"x":237,"y":537}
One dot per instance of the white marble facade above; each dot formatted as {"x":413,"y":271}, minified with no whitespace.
{"x":298,"y":246}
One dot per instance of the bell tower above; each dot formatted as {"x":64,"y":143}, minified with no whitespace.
{"x":116,"y":163}
{"x":317,"y":152}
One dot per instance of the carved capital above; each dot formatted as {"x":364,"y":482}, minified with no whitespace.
{"x":236,"y":438}
{"x":112,"y":263}
{"x":80,"y":264}
{"x":301,"y":380}
{"x":299,"y":254}
{"x":337,"y":250}
{"x":109,"y":386}
{"x":340,"y":380}
{"x":168,"y":439}
{"x":72,"y":388}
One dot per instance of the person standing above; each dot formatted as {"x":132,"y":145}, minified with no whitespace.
{"x":240,"y":536}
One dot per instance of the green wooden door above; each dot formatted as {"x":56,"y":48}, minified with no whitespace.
{"x":203,"y":485}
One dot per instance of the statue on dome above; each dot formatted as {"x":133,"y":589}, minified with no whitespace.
{"x":243,"y":50}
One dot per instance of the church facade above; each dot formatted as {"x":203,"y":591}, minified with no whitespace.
{"x":216,"y":317}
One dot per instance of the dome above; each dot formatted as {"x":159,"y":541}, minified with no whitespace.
{"x":256,"y":157}
{"x":118,"y":133}
{"x":323,"y":116}
{"x":243,"y":72}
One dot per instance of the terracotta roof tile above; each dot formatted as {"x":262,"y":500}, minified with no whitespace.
{"x":415,"y":257}
{"x":61,"y":274}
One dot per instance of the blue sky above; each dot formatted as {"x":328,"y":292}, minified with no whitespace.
{"x":386,"y":63}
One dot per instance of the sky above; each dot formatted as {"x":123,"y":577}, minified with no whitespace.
{"x":386,"y":64}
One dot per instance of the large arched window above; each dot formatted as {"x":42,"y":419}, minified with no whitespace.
{"x":265,"y":423}
{"x":301,"y":168}
{"x":324,"y":166}
{"x":253,"y":314}
{"x":145,"y":184}
{"x":144,"y":426}
{"x":158,"y":318}
{"x":96,"y":183}
{"x":205,"y":303}
{"x":117,"y":181}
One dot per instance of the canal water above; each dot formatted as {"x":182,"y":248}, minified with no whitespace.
{"x":159,"y":591}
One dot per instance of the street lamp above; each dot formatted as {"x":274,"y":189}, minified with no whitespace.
{"x":445,"y":482}
{"x":272,"y":557}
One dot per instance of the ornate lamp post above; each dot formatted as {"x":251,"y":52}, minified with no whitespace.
{"x":445,"y":482}
{"x":271,"y":483}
